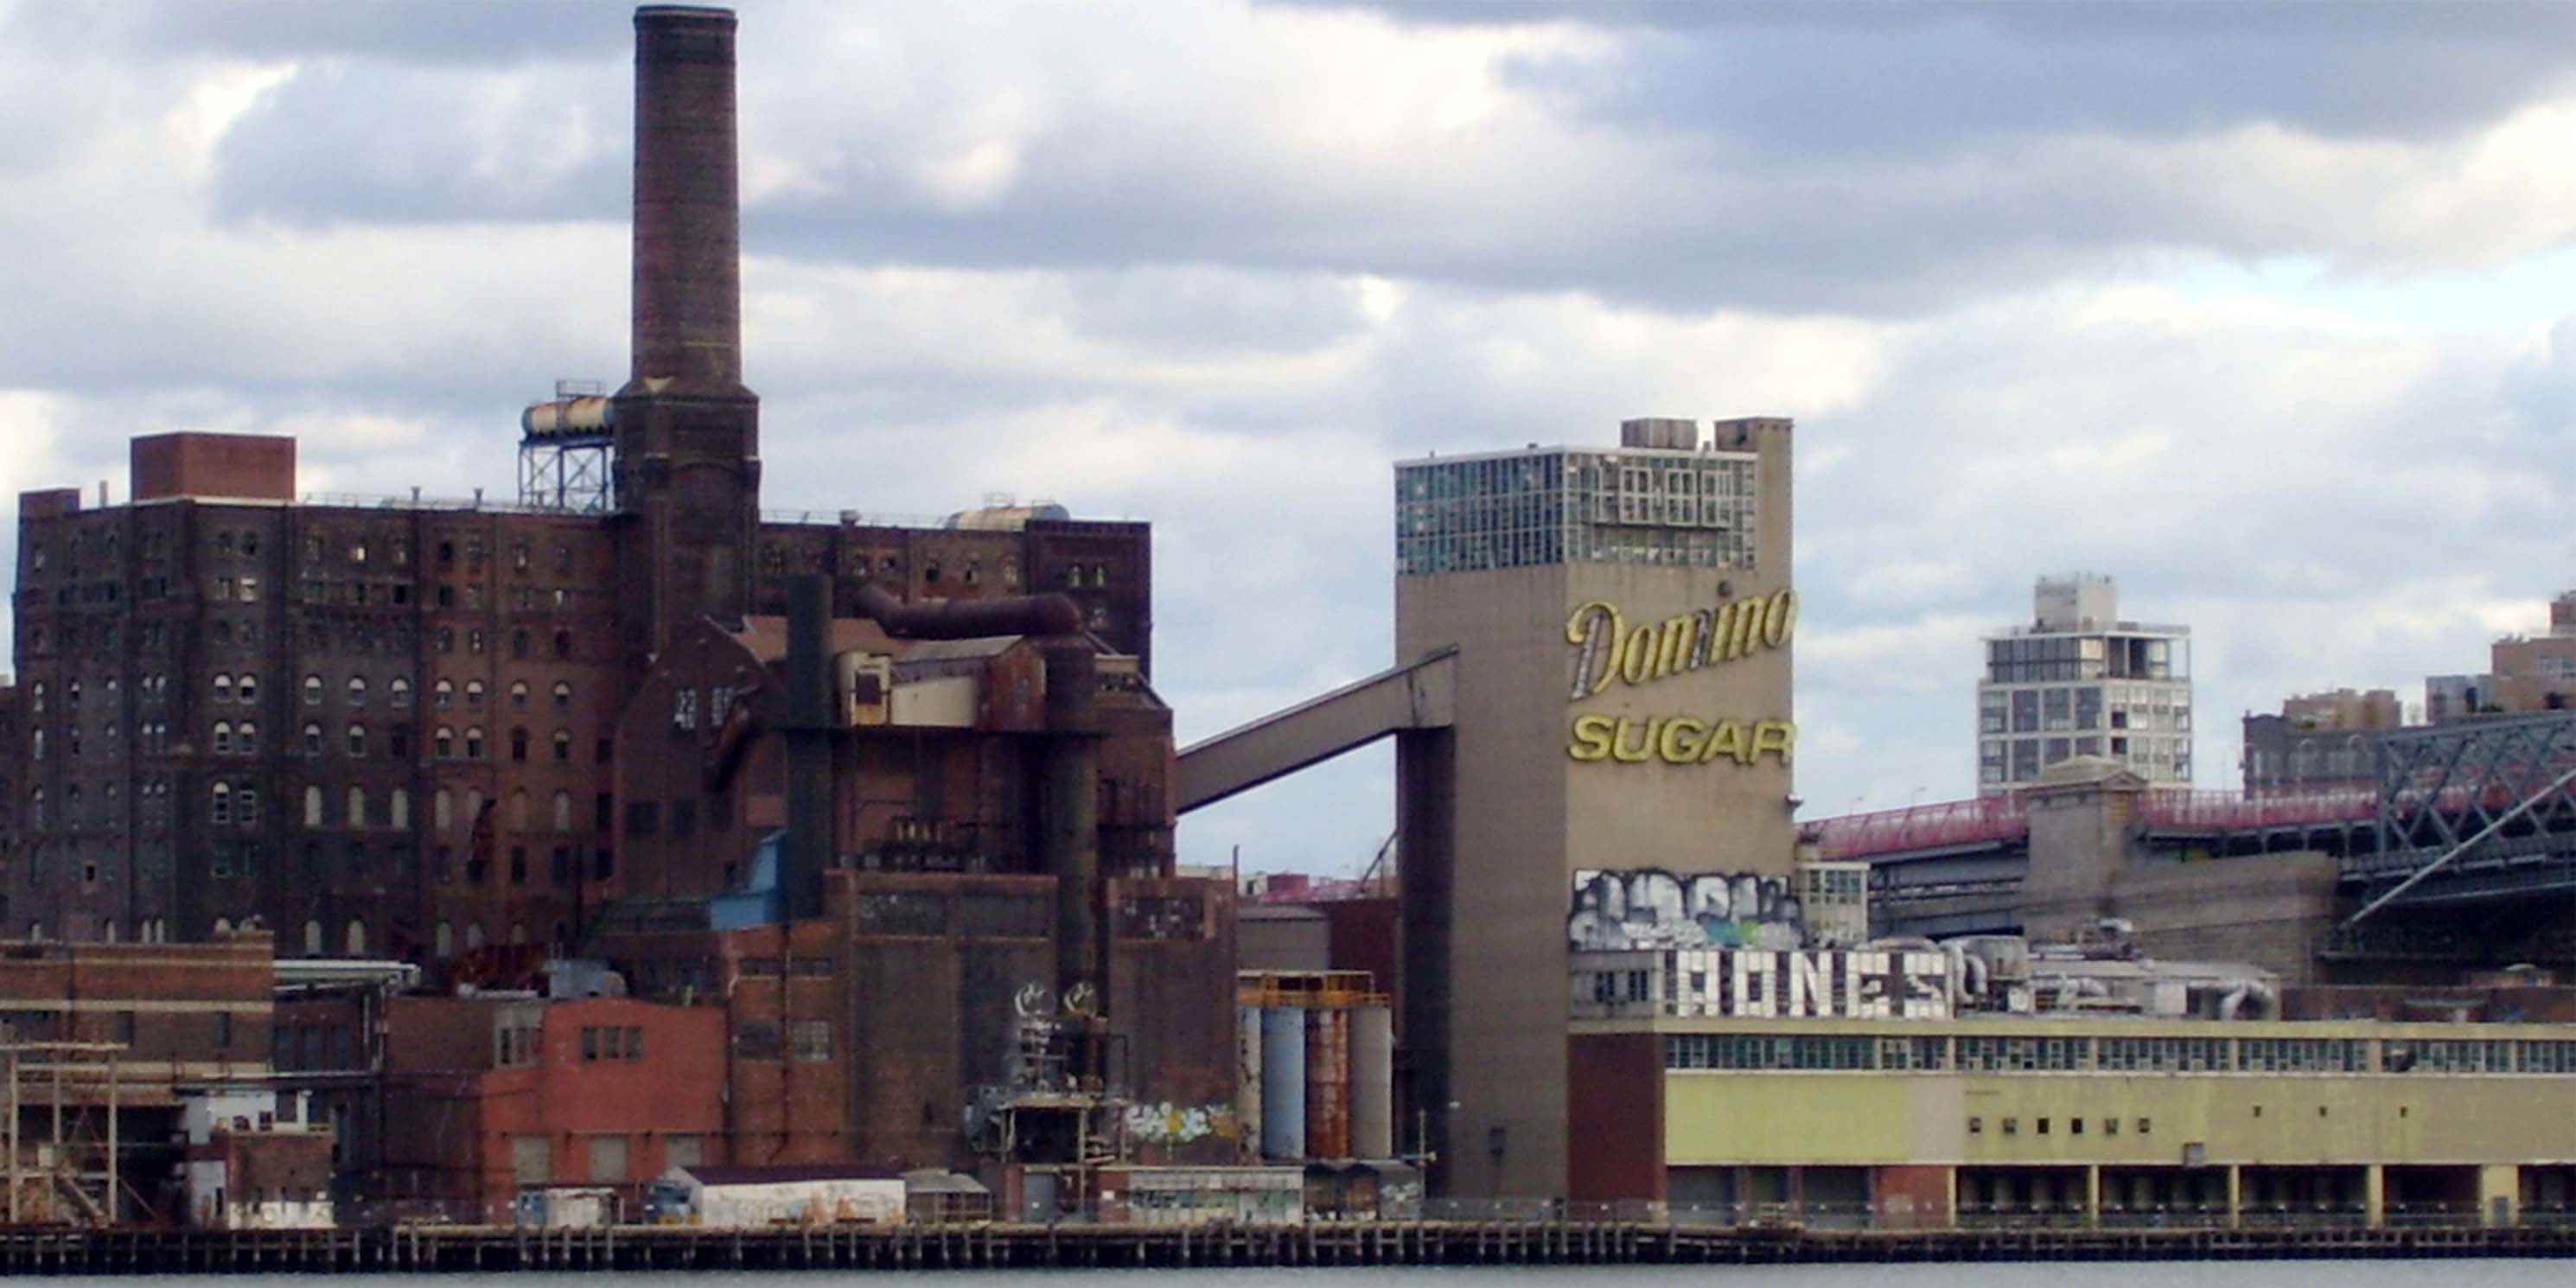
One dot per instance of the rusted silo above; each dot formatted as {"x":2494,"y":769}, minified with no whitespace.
{"x":1247,"y":1078}
{"x":1372,"y":1082}
{"x":1328,"y":1082}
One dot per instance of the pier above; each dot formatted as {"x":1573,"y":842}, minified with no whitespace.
{"x":493,"y":1249}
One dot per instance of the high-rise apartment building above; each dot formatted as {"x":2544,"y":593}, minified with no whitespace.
{"x":2078,"y":681}
{"x":1622,"y":620}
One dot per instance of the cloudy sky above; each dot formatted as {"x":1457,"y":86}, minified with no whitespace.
{"x":2268,"y":310}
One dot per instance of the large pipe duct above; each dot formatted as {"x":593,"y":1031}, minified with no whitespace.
{"x":967,"y":619}
{"x":688,"y":223}
{"x":1070,"y":803}
{"x":808,"y":727}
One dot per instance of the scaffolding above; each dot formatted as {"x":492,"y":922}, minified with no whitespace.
{"x":74,"y":1177}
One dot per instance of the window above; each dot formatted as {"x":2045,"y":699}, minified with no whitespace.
{"x":399,"y":808}
{"x":399,"y":691}
{"x":563,"y":639}
{"x":221,"y":810}
{"x":223,"y":687}
{"x":474,"y":693}
{"x":312,"y":690}
{"x":518,"y":695}
{"x":519,"y":643}
{"x":246,"y":687}
{"x":563,"y":811}
{"x":222,"y":738}
{"x":357,"y":807}
{"x":245,"y":737}
{"x":563,"y":746}
{"x":443,"y":743}
{"x":313,"y":805}
{"x":474,"y":742}
{"x":357,"y":741}
{"x":357,"y":691}
{"x":519,"y":744}
{"x":442,"y":694}
{"x":810,"y":1040}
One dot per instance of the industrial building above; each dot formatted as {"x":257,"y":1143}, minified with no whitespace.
{"x":2079,"y":681}
{"x":866,"y":824}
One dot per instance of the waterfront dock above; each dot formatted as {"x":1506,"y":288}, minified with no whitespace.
{"x":492,"y":1249}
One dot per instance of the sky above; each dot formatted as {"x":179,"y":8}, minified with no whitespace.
{"x":2266,"y":310}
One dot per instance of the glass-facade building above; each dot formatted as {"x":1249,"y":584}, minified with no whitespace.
{"x":1682,"y":506}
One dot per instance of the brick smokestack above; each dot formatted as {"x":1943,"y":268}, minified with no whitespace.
{"x":688,"y":218}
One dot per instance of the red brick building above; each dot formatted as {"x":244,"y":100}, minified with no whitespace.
{"x":488,"y":1096}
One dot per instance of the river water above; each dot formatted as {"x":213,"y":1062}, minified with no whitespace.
{"x":2095,"y":1274}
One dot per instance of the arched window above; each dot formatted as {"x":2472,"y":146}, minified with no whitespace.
{"x":223,"y":688}
{"x":473,"y":935}
{"x":442,"y":694}
{"x":473,"y":806}
{"x":357,"y":938}
{"x":399,"y":691}
{"x":246,"y":809}
{"x":223,"y":926}
{"x":563,"y":746}
{"x":357,"y":807}
{"x":246,"y":737}
{"x":444,"y":743}
{"x":442,"y":810}
{"x":223,"y":738}
{"x":563,"y":695}
{"x":312,"y":939}
{"x":474,"y":693}
{"x":357,"y":741}
{"x":519,"y":811}
{"x":563,"y":644}
{"x":518,"y":695}
{"x":246,"y":688}
{"x":312,"y":690}
{"x":357,"y":690}
{"x":474,"y":742}
{"x":313,"y":805}
{"x":312,"y":739}
{"x":221,"y":811}
{"x":518,"y":744}
{"x":444,"y":940}
{"x":398,"y":808}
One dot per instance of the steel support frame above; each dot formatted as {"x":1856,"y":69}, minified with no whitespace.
{"x":2446,"y":792}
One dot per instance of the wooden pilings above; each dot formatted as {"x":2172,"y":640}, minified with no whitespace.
{"x":436,"y":1249}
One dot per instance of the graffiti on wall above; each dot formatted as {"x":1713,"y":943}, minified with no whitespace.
{"x":1621,"y":909}
{"x":1170,"y":1124}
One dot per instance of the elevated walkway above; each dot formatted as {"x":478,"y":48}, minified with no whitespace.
{"x":1420,"y":695}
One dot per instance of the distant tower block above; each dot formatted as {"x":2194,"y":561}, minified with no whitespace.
{"x":564,"y":449}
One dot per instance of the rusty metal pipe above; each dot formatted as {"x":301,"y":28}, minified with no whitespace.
{"x":971,"y":618}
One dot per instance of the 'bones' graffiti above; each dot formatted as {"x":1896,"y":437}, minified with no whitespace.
{"x":1631,"y":908}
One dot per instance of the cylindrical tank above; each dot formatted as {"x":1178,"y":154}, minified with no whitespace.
{"x":1372,"y":1082}
{"x":1283,"y":1082}
{"x":1247,"y":1080}
{"x":1328,"y":1082}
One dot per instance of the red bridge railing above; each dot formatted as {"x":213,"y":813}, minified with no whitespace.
{"x":2002,"y":818}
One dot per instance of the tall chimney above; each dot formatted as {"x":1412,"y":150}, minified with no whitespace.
{"x":688,"y":220}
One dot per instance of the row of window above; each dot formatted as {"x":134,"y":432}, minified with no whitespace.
{"x":2031,"y":1054}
